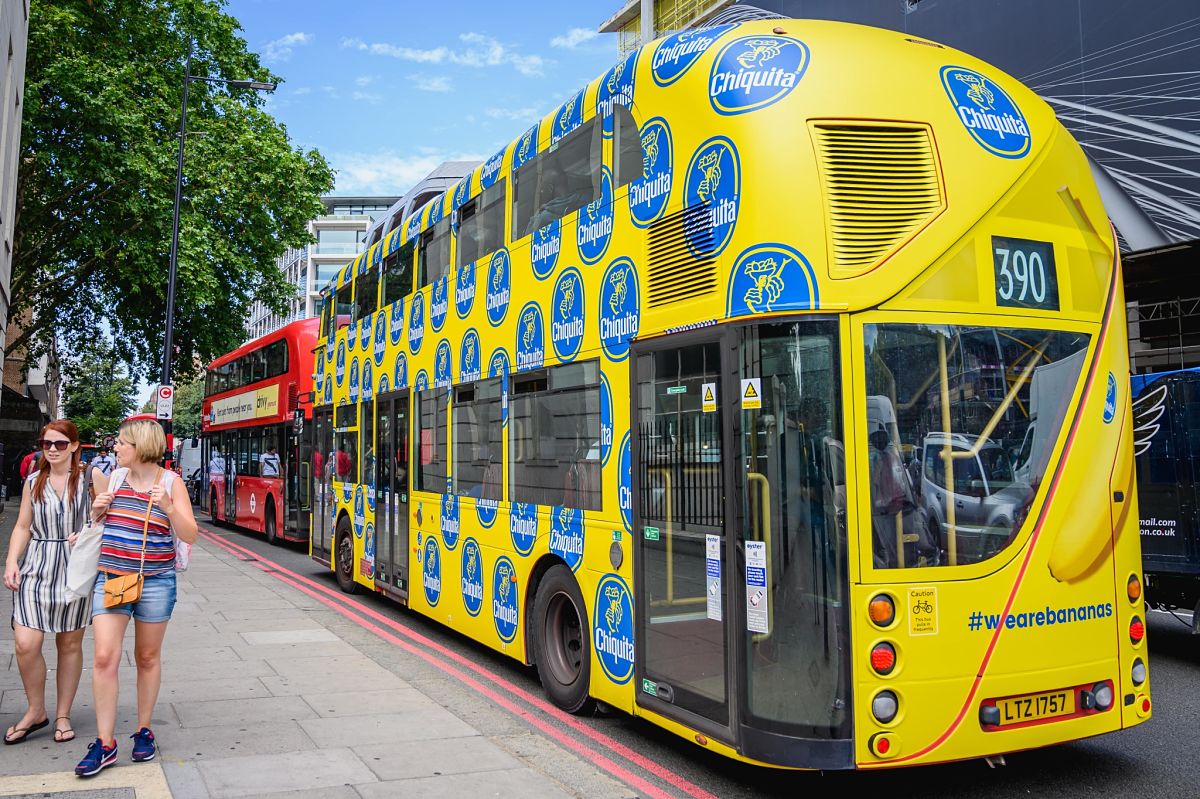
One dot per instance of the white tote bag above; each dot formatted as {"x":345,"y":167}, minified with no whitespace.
{"x":183,"y":550}
{"x":83,"y":564}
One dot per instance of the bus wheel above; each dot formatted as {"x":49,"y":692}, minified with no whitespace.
{"x":212,"y":509}
{"x":344,"y":557}
{"x":560,"y":635}
{"x":269,"y":525}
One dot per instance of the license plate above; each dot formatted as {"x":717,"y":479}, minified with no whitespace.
{"x":1032,"y":707}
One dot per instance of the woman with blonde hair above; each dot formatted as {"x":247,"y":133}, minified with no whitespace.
{"x":144,"y":509}
{"x":54,"y":507}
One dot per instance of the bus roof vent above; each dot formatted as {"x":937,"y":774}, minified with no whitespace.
{"x":676,"y":274}
{"x":882,"y":184}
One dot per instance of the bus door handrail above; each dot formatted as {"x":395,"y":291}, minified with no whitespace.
{"x":765,"y":531}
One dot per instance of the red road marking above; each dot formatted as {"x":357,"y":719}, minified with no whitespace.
{"x":302,"y":583}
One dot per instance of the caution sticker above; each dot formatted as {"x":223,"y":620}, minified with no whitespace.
{"x":924,"y":617}
{"x":708,"y":397}
{"x":751,"y":394}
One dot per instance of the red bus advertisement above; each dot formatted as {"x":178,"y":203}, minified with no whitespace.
{"x":252,"y":434}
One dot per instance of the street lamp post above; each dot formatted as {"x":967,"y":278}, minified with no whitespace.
{"x":188,"y":77}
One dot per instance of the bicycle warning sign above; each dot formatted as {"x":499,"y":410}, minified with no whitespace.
{"x":922,"y":607}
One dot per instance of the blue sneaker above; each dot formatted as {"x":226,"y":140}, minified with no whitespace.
{"x":144,"y":747}
{"x":98,"y":758}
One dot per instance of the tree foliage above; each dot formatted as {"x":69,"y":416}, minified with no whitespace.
{"x":96,"y":187}
{"x":189,"y":398}
{"x":100,"y":393}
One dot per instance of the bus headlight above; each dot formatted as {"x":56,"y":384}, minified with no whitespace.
{"x":884,"y":706}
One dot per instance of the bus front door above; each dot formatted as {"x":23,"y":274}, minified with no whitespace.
{"x":321,"y":476}
{"x":391,"y":493}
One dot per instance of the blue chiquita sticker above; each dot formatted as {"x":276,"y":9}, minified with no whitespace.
{"x":384,"y":385}
{"x":569,"y":117}
{"x":526,"y":148}
{"x":368,"y":381}
{"x":752,"y":72}
{"x":595,"y":226}
{"x":412,"y":228}
{"x":530,"y":346}
{"x":380,"y":340}
{"x":472,"y":576}
{"x":354,"y":380}
{"x":566,"y":535}
{"x":620,"y":308}
{"x":436,"y":210}
{"x":468,"y":357}
{"x":505,"y":599}
{"x":567,"y":314}
{"x":712,"y":196}
{"x":359,"y":514}
{"x":612,"y":629}
{"x":396,"y":326}
{"x":328,"y":398}
{"x":625,"y":484}
{"x":499,"y":366}
{"x":422,"y":381}
{"x":499,"y":282}
{"x":675,"y":54}
{"x":416,"y":323}
{"x":491,"y":168}
{"x":462,"y":192}
{"x":648,"y":195}
{"x":485,"y":511}
{"x":606,"y":420}
{"x":340,"y":369}
{"x":441,"y":365}
{"x":544,"y":247}
{"x":771,"y":277}
{"x":522,"y":526}
{"x":987,"y":112}
{"x":352,"y":336}
{"x":464,"y":291}
{"x":439,"y":303}
{"x":1110,"y":399}
{"x":400,"y":372}
{"x":364,"y":331}
{"x":616,"y":88}
{"x":431,"y":571}
{"x":449,"y":520}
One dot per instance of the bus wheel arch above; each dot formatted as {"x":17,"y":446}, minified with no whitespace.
{"x":343,"y":554}
{"x":559,"y":634}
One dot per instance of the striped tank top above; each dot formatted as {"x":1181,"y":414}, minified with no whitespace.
{"x":121,"y":544}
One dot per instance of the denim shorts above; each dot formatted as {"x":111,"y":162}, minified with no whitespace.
{"x":156,"y":603}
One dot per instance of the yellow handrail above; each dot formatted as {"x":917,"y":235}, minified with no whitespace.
{"x":765,"y":537}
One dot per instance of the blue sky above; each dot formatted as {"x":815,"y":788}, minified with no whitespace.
{"x":388,"y":89}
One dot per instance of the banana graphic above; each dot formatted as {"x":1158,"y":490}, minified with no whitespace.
{"x":614,"y":612}
{"x":768,"y":283}
{"x":978,"y":91}
{"x":649,"y":150}
{"x":564,"y":307}
{"x":528,"y":320}
{"x":618,"y":281}
{"x":498,"y":275}
{"x":564,"y":118}
{"x":472,"y":561}
{"x":759,"y":52}
{"x":505,"y":583}
{"x":615,"y":78}
{"x":710,"y":166}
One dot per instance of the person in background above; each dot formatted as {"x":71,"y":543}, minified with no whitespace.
{"x":103,"y":462}
{"x":28,"y":462}
{"x":216,"y":464}
{"x":54,"y":507}
{"x":151,"y":493}
{"x":269,"y":462}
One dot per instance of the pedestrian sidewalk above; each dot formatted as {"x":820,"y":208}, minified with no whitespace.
{"x":268,"y":692}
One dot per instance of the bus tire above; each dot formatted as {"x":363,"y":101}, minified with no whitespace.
{"x":560,"y":639}
{"x":343,"y":556}
{"x":212,"y":508}
{"x":270,"y":525}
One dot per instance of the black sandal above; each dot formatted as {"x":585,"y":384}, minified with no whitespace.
{"x":60,"y":735}
{"x":24,"y":732}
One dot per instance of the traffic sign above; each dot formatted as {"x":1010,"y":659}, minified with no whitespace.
{"x":166,"y":402}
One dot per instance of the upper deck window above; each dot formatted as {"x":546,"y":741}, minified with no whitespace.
{"x":433,"y":254}
{"x":627,"y":152}
{"x":563,"y":179}
{"x":365,"y":291}
{"x":481,"y":224}
{"x":398,"y":274}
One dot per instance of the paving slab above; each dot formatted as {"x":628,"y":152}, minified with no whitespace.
{"x":241,"y":712}
{"x":292,"y":771}
{"x":365,"y":703}
{"x":208,"y":743}
{"x":310,"y":635}
{"x":435,"y":757}
{"x":176,"y":690}
{"x":514,"y":782}
{"x":386,"y":727}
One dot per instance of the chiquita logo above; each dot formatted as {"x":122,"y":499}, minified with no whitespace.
{"x":328,"y":396}
{"x":498,"y":366}
{"x":416,"y":323}
{"x":400,"y":375}
{"x":368,"y":380}
{"x":987,"y":112}
{"x":620,"y":308}
{"x":612,"y":628}
{"x":441,"y":364}
{"x":380,"y":337}
{"x":531,"y":347}
{"x":352,"y":336}
{"x":596,"y":222}
{"x":439,"y":303}
{"x":396,"y":327}
{"x":464,"y":291}
{"x":340,"y":370}
{"x":526,"y":148}
{"x":616,"y":88}
{"x":505,"y":606}
{"x":472,"y":576}
{"x":544,"y":247}
{"x":499,"y":280}
{"x":606,"y":420}
{"x":364,"y":331}
{"x":360,"y":515}
{"x":413,"y":227}
{"x":486,"y":510}
{"x":675,"y":54}
{"x":648,"y":194}
{"x":771,"y":277}
{"x":568,"y":117}
{"x":468,"y":357}
{"x":566,"y":535}
{"x":461,"y":192}
{"x":354,"y":380}
{"x":435,"y":210}
{"x":753,"y":72}
{"x":422,"y":381}
{"x":384,"y":386}
{"x":523,"y":526}
{"x":449,"y":520}
{"x":431,"y":572}
{"x":566,"y":315}
{"x":1110,"y":399}
{"x":625,"y":484}
{"x":491,"y":168}
{"x":712,"y":194}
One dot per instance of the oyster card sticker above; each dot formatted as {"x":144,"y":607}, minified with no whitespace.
{"x":756,"y":587}
{"x":751,"y":394}
{"x":712,"y":573}
{"x":708,"y":397}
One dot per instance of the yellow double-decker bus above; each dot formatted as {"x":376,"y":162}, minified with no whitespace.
{"x":774,"y":389}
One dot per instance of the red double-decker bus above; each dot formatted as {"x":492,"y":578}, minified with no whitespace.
{"x":255,"y":408}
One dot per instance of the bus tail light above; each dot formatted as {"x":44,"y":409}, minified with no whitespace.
{"x":882,"y":610}
{"x":1138,"y":673}
{"x":1134,"y":588}
{"x":1102,"y":693}
{"x":1137,"y":630}
{"x":883,"y":745}
{"x":883,"y":658}
{"x":885,"y":706}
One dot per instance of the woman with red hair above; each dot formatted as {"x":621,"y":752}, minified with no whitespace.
{"x":54,"y":507}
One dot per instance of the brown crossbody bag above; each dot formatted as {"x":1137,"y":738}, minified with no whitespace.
{"x":121,"y":589}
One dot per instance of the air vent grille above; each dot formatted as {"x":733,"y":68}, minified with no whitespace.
{"x":674,"y":273}
{"x":882,"y":184}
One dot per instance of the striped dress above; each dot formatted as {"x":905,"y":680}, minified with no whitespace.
{"x":121,"y":544}
{"x":42,"y":601}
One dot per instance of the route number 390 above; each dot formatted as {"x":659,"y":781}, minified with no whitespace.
{"x":1025,"y":273}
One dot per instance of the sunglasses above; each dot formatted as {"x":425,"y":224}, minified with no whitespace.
{"x":59,"y":445}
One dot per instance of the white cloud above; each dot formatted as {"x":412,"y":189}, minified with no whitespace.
{"x":431,"y":83}
{"x":281,"y":48}
{"x":364,"y":80}
{"x":528,"y":114}
{"x":303,"y":90}
{"x":573,"y":38}
{"x":387,"y":172}
{"x":367,"y":97}
{"x":479,"y":51}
